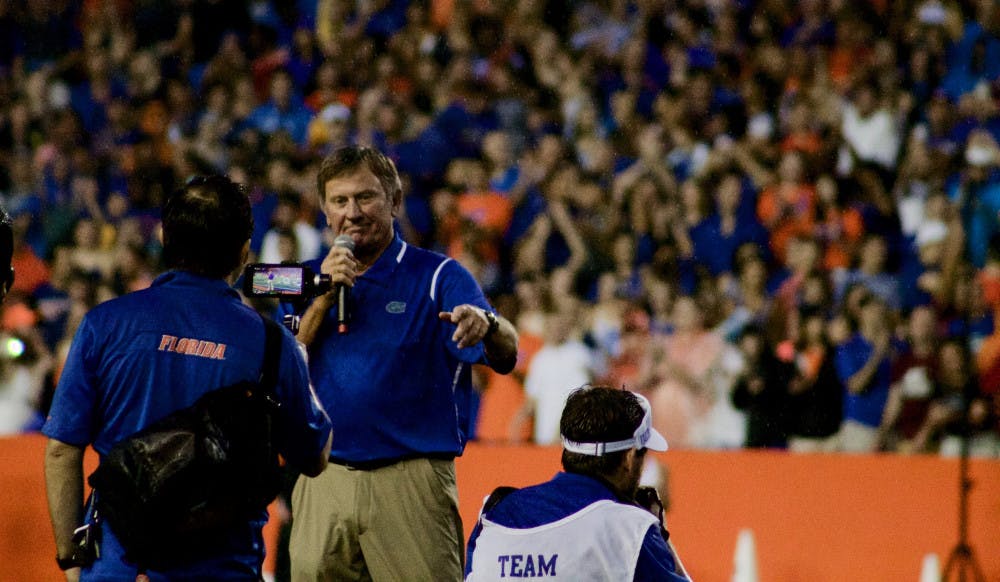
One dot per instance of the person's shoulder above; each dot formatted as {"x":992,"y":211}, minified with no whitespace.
{"x":413,"y":253}
{"x":123,"y":304}
{"x":415,"y":258}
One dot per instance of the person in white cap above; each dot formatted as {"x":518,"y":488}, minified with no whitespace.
{"x":592,"y":521}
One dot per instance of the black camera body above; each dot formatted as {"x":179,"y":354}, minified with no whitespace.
{"x":287,"y":281}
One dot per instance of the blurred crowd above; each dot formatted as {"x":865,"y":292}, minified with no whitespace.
{"x":778,"y":219}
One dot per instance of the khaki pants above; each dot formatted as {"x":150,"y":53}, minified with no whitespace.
{"x":399,"y":522}
{"x":855,"y":437}
{"x":828,"y":444}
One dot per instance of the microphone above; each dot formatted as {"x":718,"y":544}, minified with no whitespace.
{"x":343,"y":291}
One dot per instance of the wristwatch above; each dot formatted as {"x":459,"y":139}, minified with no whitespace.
{"x":67,"y":563}
{"x":494,"y":323}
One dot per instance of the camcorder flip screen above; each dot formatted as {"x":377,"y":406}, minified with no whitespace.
{"x":274,"y":280}
{"x":284,"y":280}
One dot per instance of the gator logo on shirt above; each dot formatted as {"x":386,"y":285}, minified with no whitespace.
{"x":192,"y":347}
{"x":395,"y":307}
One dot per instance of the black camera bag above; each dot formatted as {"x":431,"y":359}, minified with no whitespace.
{"x":172,"y":491}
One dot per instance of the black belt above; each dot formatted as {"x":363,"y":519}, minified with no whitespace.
{"x":374,"y":464}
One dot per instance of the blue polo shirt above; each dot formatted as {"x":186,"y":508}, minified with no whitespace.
{"x":141,"y":356}
{"x":396,"y":385}
{"x":564,"y":495}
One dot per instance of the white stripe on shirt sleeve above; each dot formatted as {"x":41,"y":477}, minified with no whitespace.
{"x":434,"y":279}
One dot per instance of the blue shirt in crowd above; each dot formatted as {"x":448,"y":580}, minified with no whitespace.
{"x":866,"y":407}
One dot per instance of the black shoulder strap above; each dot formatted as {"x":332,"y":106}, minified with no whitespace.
{"x":272,"y":353}
{"x":496,"y":497}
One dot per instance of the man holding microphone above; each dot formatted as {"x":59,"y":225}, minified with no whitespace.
{"x":397,"y":378}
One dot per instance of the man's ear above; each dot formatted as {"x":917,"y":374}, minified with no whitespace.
{"x":632,"y":457}
{"x":628,"y":462}
{"x":397,"y":204}
{"x":244,"y":257}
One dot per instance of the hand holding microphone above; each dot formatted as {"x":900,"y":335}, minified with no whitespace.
{"x":343,"y":269}
{"x":343,"y":291}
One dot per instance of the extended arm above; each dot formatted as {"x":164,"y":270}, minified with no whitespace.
{"x":472,"y":325}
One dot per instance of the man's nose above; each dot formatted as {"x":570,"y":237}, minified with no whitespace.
{"x":353,"y":208}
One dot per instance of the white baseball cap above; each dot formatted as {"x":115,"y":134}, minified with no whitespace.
{"x":644,"y":437}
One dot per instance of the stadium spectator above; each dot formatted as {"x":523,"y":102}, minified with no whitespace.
{"x":906,"y":423}
{"x":287,"y":216}
{"x":563,"y":363}
{"x":864,"y":367}
{"x":875,"y":119}
{"x":761,"y":391}
{"x":871,"y":271}
{"x":684,"y":377}
{"x":816,"y":394}
{"x":787,"y":208}
{"x":871,"y":131}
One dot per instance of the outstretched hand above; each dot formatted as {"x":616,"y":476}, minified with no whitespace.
{"x":471,"y":324}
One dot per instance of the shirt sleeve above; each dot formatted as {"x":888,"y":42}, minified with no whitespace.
{"x":656,"y":562}
{"x":456,"y":286}
{"x":304,"y":423}
{"x":71,"y":416}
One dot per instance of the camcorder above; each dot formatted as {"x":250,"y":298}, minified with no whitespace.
{"x":286,"y":281}
{"x":648,"y":498}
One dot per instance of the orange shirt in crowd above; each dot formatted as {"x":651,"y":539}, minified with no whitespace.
{"x":18,"y":315}
{"x":805,"y":142}
{"x":787,"y":210}
{"x":319,"y":98}
{"x":843,"y":63}
{"x":989,"y":282}
{"x":30,"y":272}
{"x":988,"y":356}
{"x":847,"y":226}
{"x":492,"y":213}
{"x":489,"y":210}
{"x":441,"y":12}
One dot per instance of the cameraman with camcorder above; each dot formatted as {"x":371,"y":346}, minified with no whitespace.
{"x":592,"y":522}
{"x":143,"y":356}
